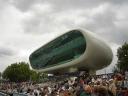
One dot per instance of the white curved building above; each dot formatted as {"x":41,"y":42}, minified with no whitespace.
{"x":72,"y":51}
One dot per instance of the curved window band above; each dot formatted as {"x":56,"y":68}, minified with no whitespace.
{"x":59,"y":51}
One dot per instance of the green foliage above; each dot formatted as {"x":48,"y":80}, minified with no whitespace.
{"x":122,"y":54}
{"x":34,"y":76}
{"x":19,"y":72}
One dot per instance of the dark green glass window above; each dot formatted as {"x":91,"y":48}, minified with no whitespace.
{"x":59,"y":51}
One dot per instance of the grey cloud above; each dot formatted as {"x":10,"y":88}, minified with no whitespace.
{"x":22,"y":5}
{"x":59,"y":5}
{"x":104,"y":25}
{"x":25,"y":5}
{"x":6,"y":51}
{"x":118,"y":1}
{"x":101,"y":23}
{"x":39,"y":23}
{"x":80,"y":4}
{"x":3,"y":3}
{"x":71,"y":4}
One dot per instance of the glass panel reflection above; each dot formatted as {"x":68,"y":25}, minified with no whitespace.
{"x":59,"y":51}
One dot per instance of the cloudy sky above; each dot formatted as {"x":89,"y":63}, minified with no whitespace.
{"x":26,"y":25}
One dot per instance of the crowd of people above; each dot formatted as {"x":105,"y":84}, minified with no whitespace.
{"x":114,"y":85}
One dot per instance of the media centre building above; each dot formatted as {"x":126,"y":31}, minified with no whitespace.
{"x":75,"y":50}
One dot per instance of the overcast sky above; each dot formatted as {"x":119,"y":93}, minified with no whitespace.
{"x":26,"y":25}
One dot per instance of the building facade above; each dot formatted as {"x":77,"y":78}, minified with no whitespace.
{"x":72,"y":51}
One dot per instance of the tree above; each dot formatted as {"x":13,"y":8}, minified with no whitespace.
{"x":34,"y":76}
{"x":0,"y":74}
{"x":122,"y":54}
{"x":17,"y":72}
